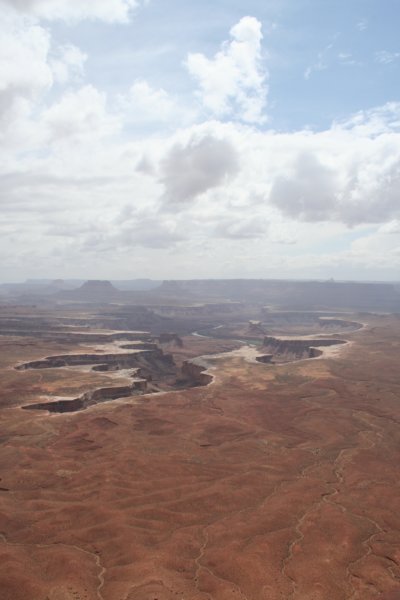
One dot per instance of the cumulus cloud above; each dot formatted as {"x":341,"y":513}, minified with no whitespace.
{"x":111,"y":11}
{"x":64,"y":139}
{"x":79,"y":114}
{"x":373,"y":122}
{"x":150,"y":231}
{"x":31,"y":64}
{"x":233,"y":83}
{"x":308,"y":192}
{"x":25,"y":71}
{"x":390,"y":227}
{"x":201,"y":164}
{"x":373,"y":196}
{"x":242,"y":227}
{"x":349,"y":173}
{"x":353,"y":193}
{"x":145,"y":104}
{"x":376,"y":250}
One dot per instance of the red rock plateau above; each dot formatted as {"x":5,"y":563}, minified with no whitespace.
{"x":276,"y":481}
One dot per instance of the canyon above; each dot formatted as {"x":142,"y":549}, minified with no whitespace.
{"x":147,"y":365}
{"x":248,"y":462}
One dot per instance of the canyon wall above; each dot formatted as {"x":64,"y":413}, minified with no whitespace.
{"x":289,"y":349}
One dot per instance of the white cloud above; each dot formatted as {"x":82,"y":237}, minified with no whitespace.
{"x":69,"y":64}
{"x":150,"y":231}
{"x":111,"y":11}
{"x":377,"y":250}
{"x":242,"y":227}
{"x":144,"y":104}
{"x":362,"y":25}
{"x":374,"y":122}
{"x":386,"y":58}
{"x":348,"y":174}
{"x":25,"y":71}
{"x":321,"y":64}
{"x":347,"y":59}
{"x":390,"y":227}
{"x":79,"y":114}
{"x":80,"y":174}
{"x":31,"y":64}
{"x":191,"y":169}
{"x":308,"y":191}
{"x":233,"y":83}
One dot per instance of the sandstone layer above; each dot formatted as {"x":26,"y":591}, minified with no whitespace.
{"x":289,"y":349}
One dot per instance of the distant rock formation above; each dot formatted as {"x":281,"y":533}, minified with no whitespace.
{"x":171,"y":339}
{"x":90,"y":398}
{"x":307,"y":295}
{"x":153,"y":371}
{"x":255,"y":328}
{"x":331,"y":323}
{"x":94,"y":290}
{"x":97,"y":289}
{"x":291,"y":349}
{"x":152,"y":358}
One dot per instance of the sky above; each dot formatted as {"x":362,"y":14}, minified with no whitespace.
{"x":179,"y":140}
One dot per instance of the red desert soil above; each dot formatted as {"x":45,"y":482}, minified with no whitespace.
{"x":274,"y":482}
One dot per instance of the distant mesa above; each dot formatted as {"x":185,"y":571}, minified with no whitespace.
{"x":95,"y":290}
{"x":289,"y":294}
{"x":96,"y":286}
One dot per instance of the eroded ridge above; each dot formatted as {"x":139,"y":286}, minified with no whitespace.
{"x":287,"y":349}
{"x":191,"y":375}
{"x":150,"y":369}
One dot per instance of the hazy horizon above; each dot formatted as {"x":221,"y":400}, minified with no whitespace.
{"x":113,"y":280}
